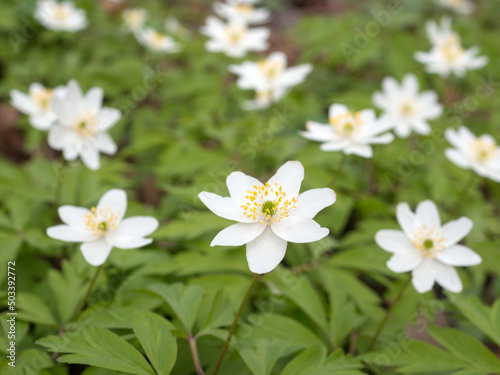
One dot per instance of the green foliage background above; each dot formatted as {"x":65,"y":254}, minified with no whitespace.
{"x":183,"y":132}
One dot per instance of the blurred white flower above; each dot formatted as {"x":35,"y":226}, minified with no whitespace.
{"x":480,"y":154}
{"x":427,"y":248}
{"x":60,"y":16}
{"x":459,"y":6}
{"x":447,"y":55}
{"x":241,"y":11}
{"x":157,"y":42}
{"x":405,"y":108}
{"x":103,"y":227}
{"x":233,"y":38}
{"x":269,"y":215}
{"x":82,"y":124}
{"x":350,"y":132}
{"x":270,"y":78}
{"x":134,"y":18}
{"x":37,"y":104}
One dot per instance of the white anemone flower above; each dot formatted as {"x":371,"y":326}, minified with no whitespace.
{"x":134,"y":18}
{"x":60,"y":16}
{"x":234,"y":38}
{"x":37,"y":104}
{"x":82,"y":124}
{"x":427,"y":248}
{"x":349,"y":132}
{"x":269,"y":215}
{"x":241,"y":11}
{"x":480,"y":154}
{"x":405,"y":108}
{"x":270,"y":78}
{"x":459,"y":6}
{"x":102,"y":227}
{"x":157,"y":42}
{"x":447,"y":55}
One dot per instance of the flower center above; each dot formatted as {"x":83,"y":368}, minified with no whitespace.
{"x":42,"y":98}
{"x":244,"y":9}
{"x":428,"y":241}
{"x":86,"y":124}
{"x":267,"y":204}
{"x":271,"y":68}
{"x":60,"y":12}
{"x":347,"y":123}
{"x":235,"y":32}
{"x":134,"y":18}
{"x":483,"y":150}
{"x":408,"y":108}
{"x":157,"y":39}
{"x":101,"y":222}
{"x":452,"y":49}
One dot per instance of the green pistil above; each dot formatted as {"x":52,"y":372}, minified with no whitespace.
{"x":428,"y":244}
{"x":269,"y":208}
{"x":348,"y":128}
{"x":103,"y":226}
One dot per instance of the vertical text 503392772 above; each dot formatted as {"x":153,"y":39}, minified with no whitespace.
{"x":11,"y":314}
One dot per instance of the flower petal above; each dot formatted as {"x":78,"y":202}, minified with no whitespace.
{"x":128,"y":243}
{"x":290,"y":176}
{"x":116,"y":199}
{"x":72,"y":215}
{"x":394,"y":241}
{"x":427,"y":214}
{"x":93,"y":99}
{"x":457,"y":158}
{"x":447,"y":277}
{"x":406,"y":219}
{"x":90,"y":156}
{"x":265,"y":252}
{"x":423,"y":277}
{"x":404,"y":263}
{"x":69,"y":234}
{"x":224,"y":207}
{"x":238,"y":234}
{"x":299,"y":230}
{"x":310,"y":202}
{"x":364,"y":151}
{"x":459,"y":255}
{"x":107,"y":117}
{"x":96,"y":252}
{"x":238,"y":185}
{"x":455,"y":230}
{"x":137,"y":226}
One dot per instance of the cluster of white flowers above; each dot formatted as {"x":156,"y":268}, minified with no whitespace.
{"x":60,"y":16}
{"x":77,"y":123}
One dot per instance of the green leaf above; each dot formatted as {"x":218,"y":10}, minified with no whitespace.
{"x":98,"y":347}
{"x":307,"y":361}
{"x":155,"y":337}
{"x":33,"y":309}
{"x":261,"y":356}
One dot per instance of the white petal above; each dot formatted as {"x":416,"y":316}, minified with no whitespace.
{"x":318,"y":132}
{"x":105,"y":143}
{"x":394,"y":241}
{"x":455,"y":230}
{"x":238,"y":234}
{"x":447,"y":277}
{"x":96,"y":252}
{"x":310,"y":202}
{"x":410,"y":85}
{"x":137,"y":226}
{"x":69,"y":234}
{"x":383,"y":139}
{"x":423,"y":277}
{"x":61,"y":107}
{"x":457,"y":158}
{"x":265,"y":252}
{"x":238,"y":185}
{"x":74,"y":97}
{"x":335,"y":145}
{"x":290,"y":176}
{"x":74,"y":216}
{"x":223,"y":207}
{"x":364,"y":151}
{"x":299,"y":230}
{"x":337,"y":110}
{"x":128,"y":243}
{"x":406,"y":219}
{"x":427,"y":214}
{"x":107,"y":117}
{"x":404,"y":263}
{"x":459,"y":255}
{"x":22,"y":102}
{"x":90,"y":156}
{"x":116,"y":199}
{"x":61,"y":137}
{"x":93,"y":99}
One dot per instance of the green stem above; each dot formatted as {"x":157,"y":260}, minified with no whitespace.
{"x":57,"y":194}
{"x":388,"y":313}
{"x":89,"y":289}
{"x":235,"y":323}
{"x":468,"y":183}
{"x":339,"y":169}
{"x":196,"y":357}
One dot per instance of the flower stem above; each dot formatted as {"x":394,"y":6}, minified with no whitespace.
{"x":388,"y":313}
{"x":89,"y":289}
{"x":468,"y":184}
{"x":235,"y":323}
{"x":59,"y":182}
{"x":194,"y":353}
{"x":339,"y":169}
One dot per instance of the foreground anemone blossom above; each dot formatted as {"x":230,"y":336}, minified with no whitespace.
{"x":37,"y":104}
{"x":234,"y":38}
{"x":82,"y":124}
{"x":134,"y":18}
{"x":270,"y":78}
{"x":102,"y":227}
{"x":480,"y":154}
{"x":427,"y":248}
{"x":349,"y":132}
{"x":60,"y":16}
{"x":241,"y":11}
{"x":157,"y":42}
{"x":459,"y":6}
{"x":269,"y":215}
{"x":447,"y":55}
{"x":405,"y":108}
